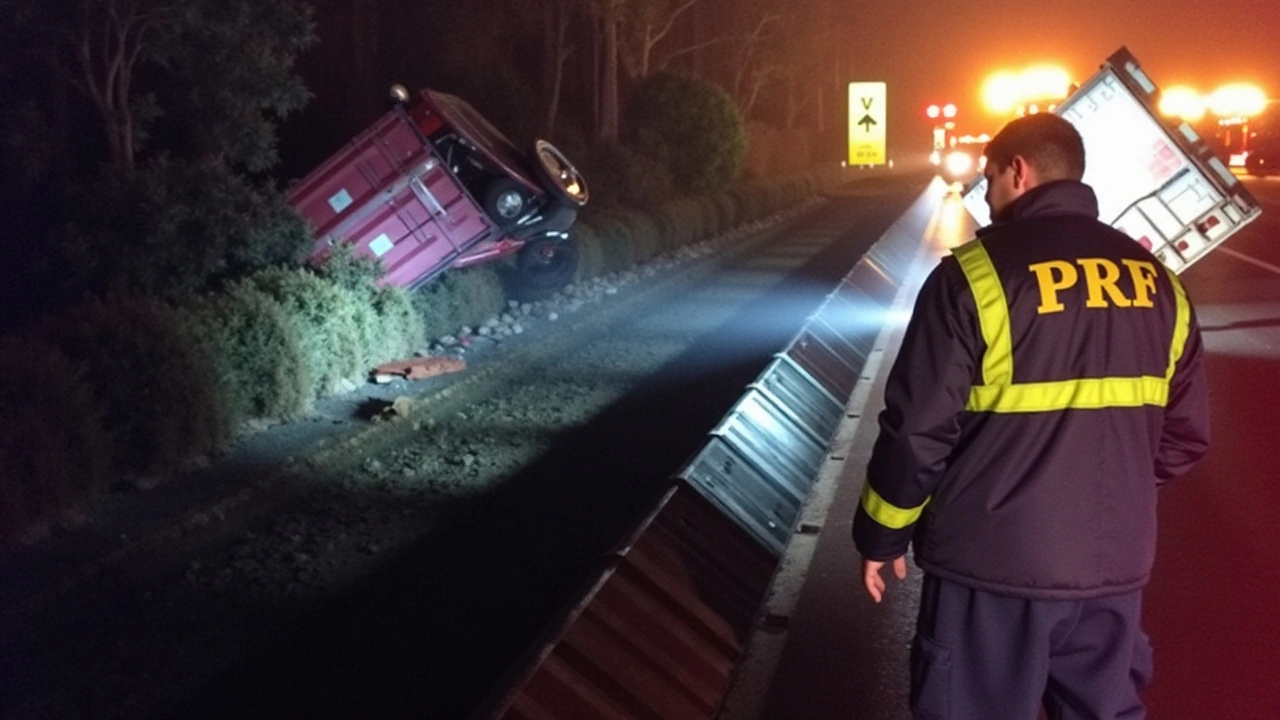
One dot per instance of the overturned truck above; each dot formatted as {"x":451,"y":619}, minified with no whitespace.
{"x":1156,"y":179}
{"x":433,"y":186}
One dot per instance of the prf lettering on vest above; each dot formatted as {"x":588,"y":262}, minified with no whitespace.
{"x":1101,"y":277}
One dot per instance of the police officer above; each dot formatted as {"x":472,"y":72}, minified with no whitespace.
{"x":1051,"y":377}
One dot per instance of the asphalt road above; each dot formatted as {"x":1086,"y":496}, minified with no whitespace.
{"x":1211,"y":607}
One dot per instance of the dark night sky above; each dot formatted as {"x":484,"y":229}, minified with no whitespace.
{"x":932,"y":51}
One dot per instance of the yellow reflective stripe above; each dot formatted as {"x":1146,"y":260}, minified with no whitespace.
{"x":1085,"y":394}
{"x":993,"y":312}
{"x":887,"y":514}
{"x":998,"y":393}
{"x":1181,"y":326}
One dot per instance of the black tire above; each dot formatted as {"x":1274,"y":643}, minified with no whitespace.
{"x":543,"y":266}
{"x":558,"y":176}
{"x":506,"y":201}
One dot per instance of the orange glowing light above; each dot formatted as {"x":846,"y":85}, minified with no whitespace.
{"x":1005,"y":92}
{"x":1237,"y":100}
{"x":1182,"y":102}
{"x":1000,"y":93}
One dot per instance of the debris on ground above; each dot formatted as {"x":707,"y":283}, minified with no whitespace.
{"x":417,"y":368}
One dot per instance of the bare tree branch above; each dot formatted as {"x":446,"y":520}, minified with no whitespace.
{"x":666,"y":59}
{"x":651,"y":38}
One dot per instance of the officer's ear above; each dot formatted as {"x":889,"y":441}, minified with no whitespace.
{"x":1024,"y":176}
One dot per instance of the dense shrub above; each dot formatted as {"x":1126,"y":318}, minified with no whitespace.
{"x":159,"y":405}
{"x":643,"y":232}
{"x":254,"y":349}
{"x":328,"y":335}
{"x":174,"y":228}
{"x":691,"y":125}
{"x":728,"y":209}
{"x":402,"y":328}
{"x":354,"y":272}
{"x":54,"y":453}
{"x":356,"y":277}
{"x":590,"y":253}
{"x":461,"y":297}
{"x":677,"y":224}
{"x":613,"y":237}
{"x":620,"y":176}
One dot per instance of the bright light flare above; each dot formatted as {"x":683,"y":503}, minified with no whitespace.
{"x":1044,"y":82}
{"x":1182,"y":102}
{"x":959,"y":162}
{"x":1237,"y":100}
{"x":1000,"y":93}
{"x":1005,"y":91}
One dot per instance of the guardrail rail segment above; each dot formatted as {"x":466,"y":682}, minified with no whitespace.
{"x":661,"y":630}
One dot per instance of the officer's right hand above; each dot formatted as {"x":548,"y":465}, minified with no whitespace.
{"x":874,"y":582}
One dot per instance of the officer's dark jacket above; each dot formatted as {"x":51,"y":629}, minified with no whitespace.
{"x":1050,"y":378}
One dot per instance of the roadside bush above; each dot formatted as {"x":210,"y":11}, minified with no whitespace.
{"x":368,"y":327}
{"x":402,"y":329}
{"x":461,"y":297}
{"x":346,"y":269}
{"x":619,"y":176}
{"x":590,"y":252}
{"x":328,"y":335}
{"x":614,"y":237}
{"x":54,"y":453}
{"x":254,"y":349}
{"x":674,"y":226}
{"x":644,"y":235}
{"x":174,"y":228}
{"x":692,"y":126}
{"x":356,"y":278}
{"x":159,"y":405}
{"x":729,"y":212}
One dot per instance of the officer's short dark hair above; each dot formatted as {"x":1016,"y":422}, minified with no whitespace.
{"x":1049,"y":143}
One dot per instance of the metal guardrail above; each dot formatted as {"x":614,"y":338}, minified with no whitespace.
{"x":661,"y":631}
{"x":763,"y":457}
{"x":659,"y":634}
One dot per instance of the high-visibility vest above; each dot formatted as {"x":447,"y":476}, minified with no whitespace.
{"x":998,"y":393}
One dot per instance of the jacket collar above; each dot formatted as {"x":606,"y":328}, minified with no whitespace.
{"x":1056,"y":198}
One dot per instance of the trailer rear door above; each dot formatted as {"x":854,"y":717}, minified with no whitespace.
{"x":390,"y":195}
{"x":1158,"y":182}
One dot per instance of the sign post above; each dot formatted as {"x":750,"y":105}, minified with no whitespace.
{"x":867,"y":120}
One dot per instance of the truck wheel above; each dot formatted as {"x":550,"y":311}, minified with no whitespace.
{"x":506,"y":201}
{"x":543,"y":266}
{"x":558,"y":176}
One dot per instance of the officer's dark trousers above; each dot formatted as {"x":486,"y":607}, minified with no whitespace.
{"x":980,"y":656}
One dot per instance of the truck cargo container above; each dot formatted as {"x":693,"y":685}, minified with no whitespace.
{"x":432,"y":185}
{"x":1156,"y":179}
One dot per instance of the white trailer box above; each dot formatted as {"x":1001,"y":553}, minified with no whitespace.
{"x":1155,"y":178}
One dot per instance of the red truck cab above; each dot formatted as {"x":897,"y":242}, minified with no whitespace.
{"x":433,"y":186}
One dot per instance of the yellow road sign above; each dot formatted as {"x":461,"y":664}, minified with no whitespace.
{"x":867,"y":120}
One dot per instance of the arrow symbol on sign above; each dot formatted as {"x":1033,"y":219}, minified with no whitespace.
{"x":866,"y":122}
